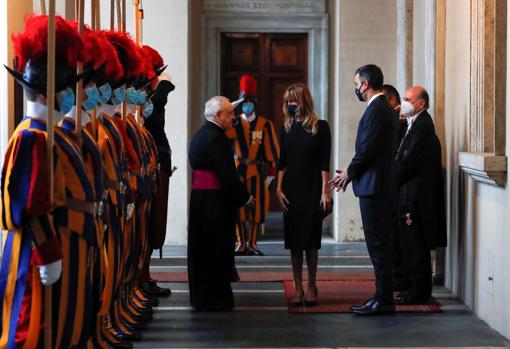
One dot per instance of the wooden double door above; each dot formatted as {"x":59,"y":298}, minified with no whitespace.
{"x":276,"y":60}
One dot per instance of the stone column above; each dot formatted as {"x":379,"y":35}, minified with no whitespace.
{"x":404,"y":45}
{"x":429,"y":46}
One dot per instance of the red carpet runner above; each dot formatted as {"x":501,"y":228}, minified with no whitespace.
{"x":269,"y":276}
{"x":339,"y":295}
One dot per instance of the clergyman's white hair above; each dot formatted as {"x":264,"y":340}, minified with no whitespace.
{"x":213,"y":106}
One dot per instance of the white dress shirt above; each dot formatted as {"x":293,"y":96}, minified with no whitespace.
{"x":374,"y":97}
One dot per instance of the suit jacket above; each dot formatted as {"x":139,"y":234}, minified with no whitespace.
{"x":420,"y":180}
{"x":372,"y":167}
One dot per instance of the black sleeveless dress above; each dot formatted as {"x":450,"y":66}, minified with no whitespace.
{"x":304,"y":156}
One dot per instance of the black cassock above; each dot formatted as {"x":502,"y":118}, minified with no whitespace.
{"x":211,"y":229}
{"x":422,"y":214}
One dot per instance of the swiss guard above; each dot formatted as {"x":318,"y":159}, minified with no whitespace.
{"x":153,"y":112}
{"x":51,"y":248}
{"x":256,"y":152}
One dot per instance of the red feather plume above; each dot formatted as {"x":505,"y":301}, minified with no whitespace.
{"x":113,"y":70}
{"x":248,"y":85}
{"x":32,"y":42}
{"x":131,"y":59}
{"x":92,"y":51}
{"x":155,"y":57}
{"x":148,"y":72}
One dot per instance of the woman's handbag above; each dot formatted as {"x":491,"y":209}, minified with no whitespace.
{"x":324,"y":213}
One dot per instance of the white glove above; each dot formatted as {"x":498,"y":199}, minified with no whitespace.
{"x":269,"y":179}
{"x":250,"y":203}
{"x":165,"y":76}
{"x":130,"y":209}
{"x":50,"y":273}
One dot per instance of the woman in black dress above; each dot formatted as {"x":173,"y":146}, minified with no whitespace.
{"x":303,"y":175}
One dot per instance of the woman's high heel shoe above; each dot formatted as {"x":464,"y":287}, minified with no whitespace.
{"x":311,"y":302}
{"x":298,"y":299}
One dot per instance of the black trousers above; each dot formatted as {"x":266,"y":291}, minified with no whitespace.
{"x":376,"y":214}
{"x":400,"y":279}
{"x":417,"y":264}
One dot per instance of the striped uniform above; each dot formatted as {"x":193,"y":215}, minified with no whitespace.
{"x":256,"y":151}
{"x":95,"y":172}
{"x":131,"y":165}
{"x":72,"y":222}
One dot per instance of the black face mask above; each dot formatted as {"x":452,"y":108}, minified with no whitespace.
{"x":292,"y":109}
{"x":359,"y":94}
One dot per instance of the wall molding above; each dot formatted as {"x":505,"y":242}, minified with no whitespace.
{"x":486,"y":160}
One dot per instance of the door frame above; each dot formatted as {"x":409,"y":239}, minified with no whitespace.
{"x":314,"y":24}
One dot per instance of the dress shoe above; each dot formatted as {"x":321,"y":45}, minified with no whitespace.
{"x":161,"y":289}
{"x":121,"y":344}
{"x":375,"y":308}
{"x":254,"y":251}
{"x":241,"y":250}
{"x":152,"y":302}
{"x":135,"y":336}
{"x":367,"y":303}
{"x":153,"y":290}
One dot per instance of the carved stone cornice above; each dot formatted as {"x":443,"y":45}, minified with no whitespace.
{"x":485,"y":167}
{"x":265,"y":6}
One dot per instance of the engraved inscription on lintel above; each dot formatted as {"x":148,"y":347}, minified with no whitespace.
{"x":295,"y":6}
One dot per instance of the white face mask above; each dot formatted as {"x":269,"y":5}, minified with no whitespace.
{"x":407,"y":109}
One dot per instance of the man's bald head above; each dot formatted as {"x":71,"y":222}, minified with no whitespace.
{"x":418,"y":97}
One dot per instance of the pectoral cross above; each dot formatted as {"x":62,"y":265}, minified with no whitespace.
{"x":409,"y":221}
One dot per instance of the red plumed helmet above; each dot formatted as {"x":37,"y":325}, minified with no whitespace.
{"x":148,"y":74}
{"x":129,"y":55}
{"x":32,"y":42}
{"x":247,"y":86}
{"x":30,"y":50}
{"x":92,"y":51}
{"x":155,"y":57}
{"x":113,"y":70}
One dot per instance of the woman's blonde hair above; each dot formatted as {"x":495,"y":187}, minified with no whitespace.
{"x":300,"y":94}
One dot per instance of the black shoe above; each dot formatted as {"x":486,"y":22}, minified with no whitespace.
{"x":241,"y":252}
{"x":135,"y":336}
{"x":367,"y":303}
{"x":375,"y":308}
{"x":162,"y":291}
{"x":252,"y":251}
{"x":121,"y":344}
{"x":153,"y":290}
{"x":152,"y":302}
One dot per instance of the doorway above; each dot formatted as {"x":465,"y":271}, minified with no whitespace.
{"x":276,"y":61}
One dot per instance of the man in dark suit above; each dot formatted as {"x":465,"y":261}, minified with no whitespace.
{"x":372,"y":173}
{"x":216,"y":194}
{"x":422,"y":219}
{"x":393,"y":98}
